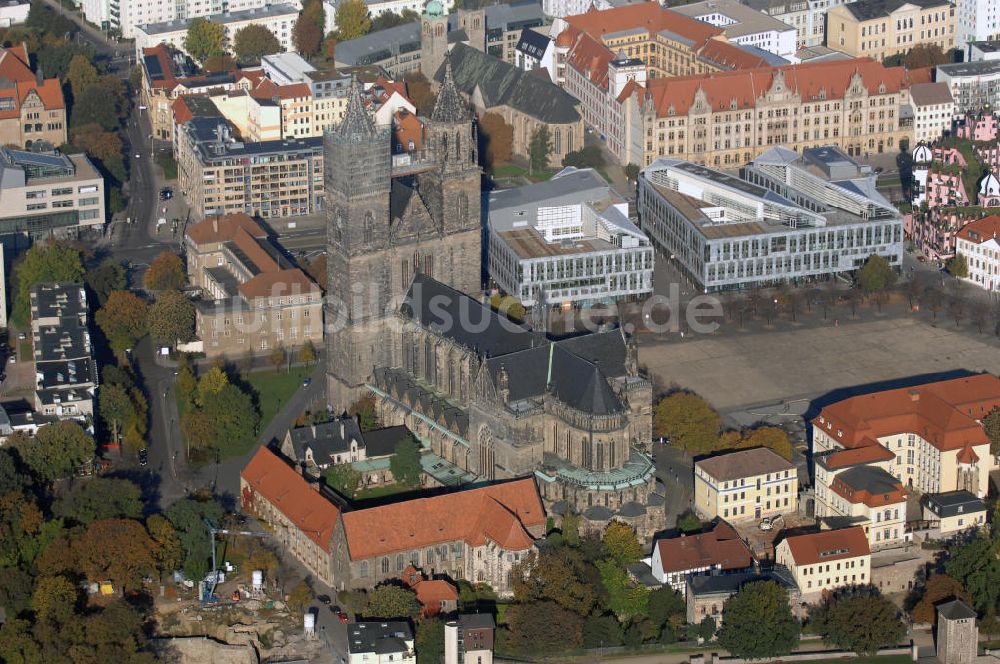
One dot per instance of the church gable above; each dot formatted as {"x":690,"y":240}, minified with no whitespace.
{"x":410,"y":219}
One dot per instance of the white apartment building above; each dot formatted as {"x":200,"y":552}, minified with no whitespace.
{"x":791,"y":216}
{"x":377,"y":8}
{"x":863,"y":495}
{"x":13,"y":12}
{"x":974,"y":85}
{"x":826,"y":560}
{"x":126,"y":15}
{"x":984,"y":50}
{"x":745,"y":25}
{"x":933,"y":110}
{"x":49,"y":193}
{"x":808,"y":17}
{"x":745,"y":484}
{"x":976,"y":20}
{"x":978,"y":243}
{"x":567,"y":241}
{"x":279,"y":19}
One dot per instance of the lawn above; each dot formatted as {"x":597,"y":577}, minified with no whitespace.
{"x":275,"y":388}
{"x":883,"y":659}
{"x":382,"y":491}
{"x":167,"y":163}
{"x":514,"y":171}
{"x":24,"y":353}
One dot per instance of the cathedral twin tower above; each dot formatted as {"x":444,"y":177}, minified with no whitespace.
{"x":384,"y":226}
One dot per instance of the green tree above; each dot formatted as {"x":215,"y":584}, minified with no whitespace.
{"x":620,"y":544}
{"x":974,"y":564}
{"x":234,"y":417}
{"x":107,"y":277}
{"x":43,"y":263}
{"x":688,"y":421}
{"x":429,"y":642}
{"x":632,"y":172}
{"x":211,"y":382}
{"x":254,"y":41}
{"x":54,"y":597}
{"x":602,"y":630}
{"x":188,"y":519}
{"x":666,"y":605}
{"x":387,"y":20}
{"x":123,"y":319}
{"x":171,"y":318}
{"x":757,"y":622}
{"x":876,"y":275}
{"x":557,"y":574}
{"x":689,"y":523}
{"x":114,"y":403}
{"x":307,"y":353}
{"x":306,"y":36}
{"x":18,"y":645}
{"x":352,"y":20}
{"x":300,"y":597}
{"x":543,"y":628}
{"x":205,"y":39}
{"x":539,"y":148}
{"x":863,"y":622}
{"x":390,"y":601}
{"x":958,"y":267}
{"x":991,"y":424}
{"x":704,"y":630}
{"x":343,"y":478}
{"x":405,"y":463}
{"x":81,"y":74}
{"x":165,"y":272}
{"x":15,"y":590}
{"x":773,"y":438}
{"x":589,"y":156}
{"x":98,"y":104}
{"x":625,"y":598}
{"x":939,"y":588}
{"x":168,"y":551}
{"x":100,"y":498}
{"x":56,"y":450}
{"x":277,"y":357}
{"x":570,"y":528}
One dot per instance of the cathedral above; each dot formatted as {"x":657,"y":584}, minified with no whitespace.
{"x":493,"y":397}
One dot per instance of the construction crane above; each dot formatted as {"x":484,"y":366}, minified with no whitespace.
{"x":212,"y":532}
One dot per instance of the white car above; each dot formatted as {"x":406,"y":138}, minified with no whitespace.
{"x":137,"y":156}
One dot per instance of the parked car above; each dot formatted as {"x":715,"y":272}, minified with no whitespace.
{"x":143,"y":456}
{"x":306,"y":381}
{"x":342,"y":617}
{"x":325,"y":599}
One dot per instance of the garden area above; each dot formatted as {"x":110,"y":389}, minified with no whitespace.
{"x":275,"y":388}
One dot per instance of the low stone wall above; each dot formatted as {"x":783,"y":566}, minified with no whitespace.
{"x":713,"y":658}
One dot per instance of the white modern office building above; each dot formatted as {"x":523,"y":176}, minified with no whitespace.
{"x":744,"y":25}
{"x":279,"y":19}
{"x":808,"y":17}
{"x":977,"y":242}
{"x":567,"y":241}
{"x":974,"y":85}
{"x":789,"y":217}
{"x":125,"y":16}
{"x":975,"y":20}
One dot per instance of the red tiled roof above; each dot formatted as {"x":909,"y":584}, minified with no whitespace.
{"x":872,"y":490}
{"x":967,"y":455}
{"x":292,"y":281}
{"x":591,"y":57}
{"x":828,"y":545}
{"x":744,"y":87}
{"x":499,"y":512}
{"x":15,"y":65}
{"x":720,"y":546}
{"x":730,"y":56}
{"x":270,"y":478}
{"x":407,"y":127}
{"x":248,"y":244}
{"x":220,"y":229}
{"x":49,"y":92}
{"x":266,"y":89}
{"x":294,"y":91}
{"x":744,"y":463}
{"x":871,"y":453}
{"x":981,"y":230}
{"x":434,"y":591}
{"x":944,"y":413}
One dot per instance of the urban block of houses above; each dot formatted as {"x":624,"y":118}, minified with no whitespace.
{"x":883,"y":28}
{"x":826,"y":561}
{"x":279,"y":18}
{"x":252,"y":298}
{"x":32,"y":109}
{"x":746,"y":484}
{"x":540,"y":233}
{"x":45,"y":194}
{"x":719,"y":550}
{"x":989,"y":187}
{"x":65,"y":370}
{"x":380,"y":643}
{"x":854,"y":487}
{"x":790,"y":216}
{"x":932,"y":431}
{"x":977,"y":242}
{"x":977,"y":126}
{"x":526,"y":101}
{"x":435,"y":595}
{"x":477,"y":534}
{"x":954,"y":511}
{"x":808,"y":17}
{"x":745,"y":25}
{"x":973,"y":84}
{"x":932,"y":230}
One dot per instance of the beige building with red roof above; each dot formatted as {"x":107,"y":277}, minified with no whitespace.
{"x":478,"y":535}
{"x":745,"y":484}
{"x":929,"y":437}
{"x":977,"y":242}
{"x":31,"y":109}
{"x":720,"y":549}
{"x":826,"y":560}
{"x":253,"y":298}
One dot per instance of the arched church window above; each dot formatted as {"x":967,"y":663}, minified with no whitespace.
{"x":462,"y":204}
{"x":369,"y":228}
{"x":385,"y":565}
{"x":458,"y":146}
{"x":444,"y":146}
{"x":569,"y":140}
{"x":557,"y":141}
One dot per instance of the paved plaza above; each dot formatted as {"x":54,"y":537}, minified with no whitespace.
{"x":736,"y":371}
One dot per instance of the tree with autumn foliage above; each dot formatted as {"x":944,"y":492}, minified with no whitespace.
{"x":496,"y":140}
{"x":939,"y":588}
{"x":307,"y":33}
{"x":165,"y":272}
{"x":172,"y":318}
{"x":123,"y":319}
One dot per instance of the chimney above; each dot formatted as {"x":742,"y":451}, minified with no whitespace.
{"x":342,"y":433}
{"x":215,"y":224}
{"x":914,"y":395}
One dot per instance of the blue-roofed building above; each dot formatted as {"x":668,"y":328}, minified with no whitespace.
{"x":788,"y":216}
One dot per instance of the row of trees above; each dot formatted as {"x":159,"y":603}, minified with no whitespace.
{"x":690,"y":423}
{"x":206,"y":41}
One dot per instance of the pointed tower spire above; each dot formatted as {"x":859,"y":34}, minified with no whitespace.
{"x":449,"y":106}
{"x":357,"y":123}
